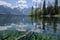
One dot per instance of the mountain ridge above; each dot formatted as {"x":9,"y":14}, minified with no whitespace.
{"x":15,"y":11}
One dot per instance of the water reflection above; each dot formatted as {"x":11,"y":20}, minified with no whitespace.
{"x":24,"y":23}
{"x":8,"y":19}
{"x":4,"y":27}
{"x":20,"y":23}
{"x":47,"y":24}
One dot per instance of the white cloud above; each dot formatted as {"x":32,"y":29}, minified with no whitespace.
{"x":5,"y":4}
{"x":22,"y":4}
{"x":38,"y":1}
{"x":22,"y":1}
{"x":35,"y":6}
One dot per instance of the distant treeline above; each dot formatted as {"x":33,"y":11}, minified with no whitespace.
{"x":49,"y":10}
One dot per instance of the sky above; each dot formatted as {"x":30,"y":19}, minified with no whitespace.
{"x":22,"y":3}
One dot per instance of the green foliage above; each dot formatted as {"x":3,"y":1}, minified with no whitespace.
{"x":36,"y":12}
{"x":50,"y":10}
{"x":43,"y":37}
{"x":11,"y":34}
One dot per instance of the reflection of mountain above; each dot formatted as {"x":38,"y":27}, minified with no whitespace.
{"x":14,"y":11}
{"x":8,"y":19}
{"x":20,"y":27}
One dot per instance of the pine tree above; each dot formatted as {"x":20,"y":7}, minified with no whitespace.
{"x":32,"y":10}
{"x":56,"y":6}
{"x":44,"y":9}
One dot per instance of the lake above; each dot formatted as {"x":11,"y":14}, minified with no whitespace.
{"x":19,"y":25}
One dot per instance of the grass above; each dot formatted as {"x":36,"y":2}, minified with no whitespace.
{"x":10,"y":34}
{"x":43,"y":37}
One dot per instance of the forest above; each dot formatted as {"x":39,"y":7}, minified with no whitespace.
{"x":52,"y":9}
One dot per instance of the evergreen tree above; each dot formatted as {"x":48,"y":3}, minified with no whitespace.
{"x":32,"y":10}
{"x":56,"y":6}
{"x":44,"y":9}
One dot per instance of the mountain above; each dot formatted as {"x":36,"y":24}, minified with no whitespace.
{"x":14,"y":11}
{"x":26,"y":11}
{"x":5,"y":10}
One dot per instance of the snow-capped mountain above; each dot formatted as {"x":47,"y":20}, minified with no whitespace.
{"x":14,"y":11}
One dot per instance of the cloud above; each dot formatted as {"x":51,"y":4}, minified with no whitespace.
{"x":22,"y":4}
{"x":5,"y":4}
{"x":22,"y":1}
{"x":38,"y":1}
{"x":35,"y":6}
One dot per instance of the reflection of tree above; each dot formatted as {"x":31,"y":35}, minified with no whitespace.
{"x":32,"y":14}
{"x":49,"y":20}
{"x":54,"y":25}
{"x":43,"y":23}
